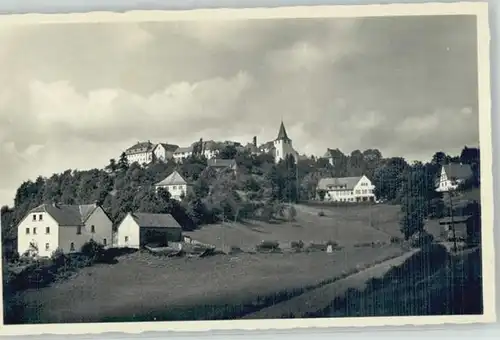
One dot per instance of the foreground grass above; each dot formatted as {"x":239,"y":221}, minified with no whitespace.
{"x":141,"y":287}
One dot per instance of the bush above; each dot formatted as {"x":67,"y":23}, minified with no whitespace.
{"x":297,"y":245}
{"x":93,"y":250}
{"x":268,"y":246}
{"x":396,"y":240}
{"x":421,"y":239}
{"x":321,"y":213}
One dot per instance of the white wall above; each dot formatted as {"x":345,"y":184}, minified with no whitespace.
{"x":41,"y":238}
{"x":69,"y":235}
{"x":143,"y":157}
{"x":179,"y":157}
{"x":340,"y":196}
{"x":103,"y":227}
{"x":175,"y":191}
{"x":364,"y":188}
{"x":128,"y":228}
{"x":283,"y":149}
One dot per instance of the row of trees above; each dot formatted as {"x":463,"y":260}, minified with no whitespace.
{"x":257,"y":191}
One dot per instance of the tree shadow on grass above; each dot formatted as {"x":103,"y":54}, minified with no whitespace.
{"x":429,"y":283}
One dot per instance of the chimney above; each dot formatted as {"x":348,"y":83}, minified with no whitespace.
{"x":254,"y":140}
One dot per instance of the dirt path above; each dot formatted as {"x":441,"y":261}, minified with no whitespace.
{"x":320,"y":298}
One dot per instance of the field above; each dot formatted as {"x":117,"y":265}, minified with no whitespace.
{"x":348,"y":226}
{"x":142,"y":287}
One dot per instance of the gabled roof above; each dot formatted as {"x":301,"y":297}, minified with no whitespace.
{"x":146,"y":220}
{"x":348,"y":182}
{"x":221,"y":163}
{"x":173,"y":179}
{"x":67,"y":215}
{"x":458,"y":171}
{"x":140,"y":147}
{"x":282,"y":135}
{"x":184,"y":149}
{"x":169,"y":147}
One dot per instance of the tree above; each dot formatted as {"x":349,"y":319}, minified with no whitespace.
{"x":112,"y":166}
{"x":123,"y":163}
{"x":228,"y":152}
{"x":413,"y":204}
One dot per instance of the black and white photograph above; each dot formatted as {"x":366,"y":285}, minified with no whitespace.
{"x":322,"y":164}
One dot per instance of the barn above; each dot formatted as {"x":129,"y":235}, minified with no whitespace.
{"x":140,"y":229}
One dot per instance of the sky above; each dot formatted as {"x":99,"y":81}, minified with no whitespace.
{"x":73,"y":97}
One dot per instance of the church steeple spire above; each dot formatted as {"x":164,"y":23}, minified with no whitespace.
{"x":282,"y":133}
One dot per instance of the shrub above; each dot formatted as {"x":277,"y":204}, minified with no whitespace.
{"x":297,"y":245}
{"x":321,"y":213}
{"x":421,"y":239}
{"x":267,"y":246}
{"x":396,"y":240}
{"x":93,"y":250}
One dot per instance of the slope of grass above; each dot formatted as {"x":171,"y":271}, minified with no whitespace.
{"x":141,"y":287}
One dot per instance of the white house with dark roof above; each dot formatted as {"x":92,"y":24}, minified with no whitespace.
{"x":164,"y":151}
{"x":175,"y":184}
{"x":347,"y":189}
{"x":67,"y":227}
{"x":182,"y":153}
{"x":141,"y":152}
{"x":139,"y":229}
{"x":452,"y":175}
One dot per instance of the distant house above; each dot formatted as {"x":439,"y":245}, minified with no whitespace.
{"x":139,"y":229}
{"x":182,"y":153}
{"x":66,"y":227}
{"x":141,"y":152}
{"x":346,"y":189}
{"x":452,"y":175}
{"x":467,"y":228}
{"x":210,"y":149}
{"x":219,"y":164}
{"x":252,"y":147}
{"x":175,"y":184}
{"x":164,"y":151}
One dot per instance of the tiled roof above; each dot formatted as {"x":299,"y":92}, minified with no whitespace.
{"x":140,"y":147}
{"x":173,"y":179}
{"x":458,"y":171}
{"x":146,"y":220}
{"x":348,"y":182}
{"x":67,"y":215}
{"x":282,"y":133}
{"x":221,"y":163}
{"x":184,"y":149}
{"x":169,"y":147}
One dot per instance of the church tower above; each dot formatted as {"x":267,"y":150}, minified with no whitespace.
{"x":283,"y":145}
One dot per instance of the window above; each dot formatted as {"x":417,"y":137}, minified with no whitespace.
{"x":126,"y":238}
{"x":105,"y":242}
{"x":34,"y":217}
{"x":47,"y":246}
{"x":40,"y":217}
{"x":79,"y":230}
{"x":92,"y":228}
{"x":175,"y":187}
{"x":34,"y":231}
{"x":72,"y":247}
{"x":47,"y":230}
{"x":27,"y":231}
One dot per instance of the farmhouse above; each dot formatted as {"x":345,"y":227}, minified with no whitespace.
{"x":182,"y":153}
{"x":452,"y":175}
{"x":164,"y":151}
{"x":141,"y":152}
{"x":67,"y":227}
{"x":220,"y":164}
{"x":346,"y":189}
{"x":139,"y":229}
{"x":175,"y":184}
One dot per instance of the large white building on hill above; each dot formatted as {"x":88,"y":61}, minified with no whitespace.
{"x":141,"y":152}
{"x":346,"y":189}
